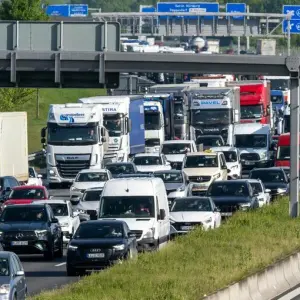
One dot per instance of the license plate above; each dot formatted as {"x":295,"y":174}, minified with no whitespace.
{"x":226,"y":214}
{"x":19,"y":243}
{"x":95,"y":255}
{"x":249,"y":163}
{"x":187,"y":227}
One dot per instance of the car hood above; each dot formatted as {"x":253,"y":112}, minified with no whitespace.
{"x":20,"y":226}
{"x":173,"y":186}
{"x":190,"y":216}
{"x":231,"y":199}
{"x":87,"y":185}
{"x":63,"y":219}
{"x":275,"y":185}
{"x":152,"y":168}
{"x":201,"y":171}
{"x":88,"y":205}
{"x":97,"y":242}
{"x":18,"y":201}
{"x":175,"y":157}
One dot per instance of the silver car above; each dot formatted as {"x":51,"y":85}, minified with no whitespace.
{"x":12,"y":277}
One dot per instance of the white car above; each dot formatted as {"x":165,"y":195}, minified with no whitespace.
{"x":89,"y":203}
{"x":34,"y":177}
{"x":263,"y":194}
{"x":63,"y":211}
{"x":189,"y":212}
{"x":151,"y":162}
{"x":233,"y":161}
{"x":86,"y":179}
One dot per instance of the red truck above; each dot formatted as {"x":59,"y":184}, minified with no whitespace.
{"x":255,"y":101}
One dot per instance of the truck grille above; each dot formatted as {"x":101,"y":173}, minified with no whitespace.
{"x":250,"y":156}
{"x":19,"y":236}
{"x":199,"y":178}
{"x":69,"y":169}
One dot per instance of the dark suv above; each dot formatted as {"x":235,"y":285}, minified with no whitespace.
{"x":31,"y":229}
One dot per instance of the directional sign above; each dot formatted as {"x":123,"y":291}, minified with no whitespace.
{"x":67,"y":10}
{"x":186,"y":7}
{"x":235,"y":8}
{"x":148,"y":9}
{"x":295,"y":19}
{"x":79,"y":10}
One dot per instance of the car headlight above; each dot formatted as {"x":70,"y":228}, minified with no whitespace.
{"x":216,"y":176}
{"x":119,"y":247}
{"x":66,"y":224}
{"x":181,"y":189}
{"x":263,"y":155}
{"x":1,"y":234}
{"x":209,"y":220}
{"x":51,"y":172}
{"x":281,"y":191}
{"x":149,"y":234}
{"x":72,"y":248}
{"x":73,"y":188}
{"x":4,"y":289}
{"x":245,"y":206}
{"x":41,"y":233}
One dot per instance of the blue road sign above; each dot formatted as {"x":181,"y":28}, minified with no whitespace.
{"x":295,"y":19}
{"x":235,"y":8}
{"x":148,"y":9}
{"x":67,"y":10}
{"x":187,"y":7}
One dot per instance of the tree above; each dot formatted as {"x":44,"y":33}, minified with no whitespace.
{"x":26,"y":10}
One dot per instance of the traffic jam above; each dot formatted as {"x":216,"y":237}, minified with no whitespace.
{"x":143,"y":169}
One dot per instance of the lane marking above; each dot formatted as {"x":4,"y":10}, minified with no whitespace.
{"x":59,"y":265}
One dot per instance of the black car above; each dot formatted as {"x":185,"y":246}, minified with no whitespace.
{"x":232,"y":195}
{"x":31,"y":229}
{"x":6,"y":185}
{"x":121,"y":168}
{"x":274,"y":179}
{"x":99,"y":244}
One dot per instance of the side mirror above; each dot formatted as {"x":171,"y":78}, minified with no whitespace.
{"x":217,"y":209}
{"x":8,"y":189}
{"x":40,"y":176}
{"x":70,"y":235}
{"x":43,"y":132}
{"x":228,"y":170}
{"x":167,"y":122}
{"x":20,"y":273}
{"x":75,"y":214}
{"x":129,"y":125}
{"x":168,"y":163}
{"x":103,"y":139}
{"x":267,"y":191}
{"x":54,"y":221}
{"x":43,"y":140}
{"x":162,"y":214}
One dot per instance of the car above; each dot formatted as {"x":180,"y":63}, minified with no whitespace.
{"x":188,"y":212}
{"x":6,"y":184}
{"x":121,"y":168}
{"x":31,"y":229}
{"x":98,"y":244}
{"x":175,"y":182}
{"x":262,"y":193}
{"x":26,"y":194}
{"x":89,"y":203}
{"x":274,"y":179}
{"x":137,"y":175}
{"x":13,"y":281}
{"x":34,"y":177}
{"x":209,"y":141}
{"x":175,"y":150}
{"x":232,"y":195}
{"x":151,"y":162}
{"x":195,"y":189}
{"x":68,"y":219}
{"x":85,"y":179}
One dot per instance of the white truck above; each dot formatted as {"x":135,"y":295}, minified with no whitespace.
{"x":14,"y":145}
{"x":76,"y":140}
{"x":254,"y":141}
{"x":214,"y":111}
{"x":124,"y":120}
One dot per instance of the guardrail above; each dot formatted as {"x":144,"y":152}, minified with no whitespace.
{"x":36,"y":155}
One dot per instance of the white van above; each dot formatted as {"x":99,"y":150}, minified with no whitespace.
{"x":143,"y":204}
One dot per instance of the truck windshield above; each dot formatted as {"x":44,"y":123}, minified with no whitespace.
{"x":176,"y":148}
{"x":251,"y":141}
{"x":280,"y":84}
{"x":251,"y":111}
{"x":72,"y":135}
{"x":113,"y":124}
{"x":127,"y":207}
{"x":277,"y":99}
{"x":152,"y":120}
{"x":211,"y":116}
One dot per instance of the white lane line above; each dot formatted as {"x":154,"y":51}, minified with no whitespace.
{"x":59,"y":265}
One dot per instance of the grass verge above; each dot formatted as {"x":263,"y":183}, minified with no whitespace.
{"x":197,"y":264}
{"x":47,"y":97}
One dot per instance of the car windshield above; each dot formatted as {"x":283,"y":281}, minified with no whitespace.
{"x":59,"y":209}
{"x":121,"y":169}
{"x":208,"y":141}
{"x":176,"y":148}
{"x":27,"y":194}
{"x":147,"y":160}
{"x":24,"y":214}
{"x":4,"y":267}
{"x":92,"y":195}
{"x":230,"y":156}
{"x":191,"y":205}
{"x":127,"y":207}
{"x":91,"y":176}
{"x":256,"y":187}
{"x":268,"y":175}
{"x":201,"y":161}
{"x":99,"y":231}
{"x":251,"y":141}
{"x":219,"y":189}
{"x":170,"y":177}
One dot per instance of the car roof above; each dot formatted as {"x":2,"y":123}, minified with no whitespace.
{"x":50,"y":202}
{"x":29,"y":187}
{"x":252,"y":180}
{"x":104,"y":222}
{"x":94,"y":189}
{"x":31,"y":205}
{"x":93,"y":171}
{"x":147,"y":154}
{"x":224,"y":148}
{"x":268,"y":169}
{"x":167,"y":171}
{"x":6,"y":254}
{"x":231,"y":181}
{"x":202,"y":154}
{"x":178,"y":142}
{"x":119,"y":163}
{"x":192,"y":198}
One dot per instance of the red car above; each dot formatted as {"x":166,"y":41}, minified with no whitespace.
{"x":26,"y":194}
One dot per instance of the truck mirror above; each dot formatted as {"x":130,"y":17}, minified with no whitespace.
{"x":43,"y":140}
{"x":43,"y":132}
{"x":129,"y":125}
{"x":102,"y":131}
{"x":167,"y":122}
{"x":103,"y":139}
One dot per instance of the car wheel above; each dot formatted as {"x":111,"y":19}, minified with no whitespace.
{"x":15,"y":297}
{"x":60,"y":252}
{"x":71,"y":271}
{"x":49,"y":254}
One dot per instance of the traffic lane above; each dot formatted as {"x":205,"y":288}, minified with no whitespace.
{"x":45,"y":275}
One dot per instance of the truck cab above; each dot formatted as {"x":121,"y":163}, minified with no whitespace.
{"x":76,"y":140}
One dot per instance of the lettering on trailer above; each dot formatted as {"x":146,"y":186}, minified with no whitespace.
{"x":151,"y":108}
{"x":107,"y":109}
{"x":70,"y":118}
{"x":210,"y":102}
{"x":294,"y":10}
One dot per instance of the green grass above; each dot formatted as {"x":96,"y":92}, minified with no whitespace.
{"x":47,"y":97}
{"x":197,"y":264}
